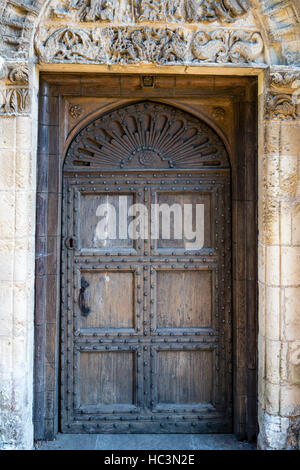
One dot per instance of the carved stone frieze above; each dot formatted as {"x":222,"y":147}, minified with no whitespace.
{"x":134,"y":31}
{"x":87,"y":10}
{"x":69,"y":44}
{"x":190,"y":10}
{"x":139,"y":11}
{"x":227,"y":46}
{"x":147,"y":44}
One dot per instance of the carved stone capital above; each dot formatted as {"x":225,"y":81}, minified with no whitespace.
{"x":284,"y":79}
{"x":14,"y":100}
{"x":18,"y":74}
{"x":14,"y":73}
{"x":281,"y":107}
{"x":282,"y":99}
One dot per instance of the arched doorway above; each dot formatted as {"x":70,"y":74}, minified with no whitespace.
{"x":147,"y":312}
{"x":74,"y":110}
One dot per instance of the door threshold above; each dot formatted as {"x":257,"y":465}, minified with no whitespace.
{"x":145,"y":442}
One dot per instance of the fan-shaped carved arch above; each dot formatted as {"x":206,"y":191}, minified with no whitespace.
{"x":147,"y":135}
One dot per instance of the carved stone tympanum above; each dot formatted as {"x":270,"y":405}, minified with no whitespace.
{"x":147,"y":31}
{"x":151,"y":10}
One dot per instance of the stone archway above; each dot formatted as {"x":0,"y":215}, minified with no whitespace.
{"x":270,"y":38}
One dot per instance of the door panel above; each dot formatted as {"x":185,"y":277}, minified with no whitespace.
{"x":90,"y":215}
{"x":146,"y":323}
{"x":188,"y":375}
{"x":184,"y":299}
{"x":177,"y":201}
{"x":106,"y":378}
{"x":111,"y":298}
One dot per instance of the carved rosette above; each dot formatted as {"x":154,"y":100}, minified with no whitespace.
{"x":139,"y":136}
{"x":75,"y":111}
{"x":218,"y":113}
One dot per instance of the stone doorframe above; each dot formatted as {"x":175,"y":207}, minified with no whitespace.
{"x":276,"y":47}
{"x":244,"y":237}
{"x":278,"y":248}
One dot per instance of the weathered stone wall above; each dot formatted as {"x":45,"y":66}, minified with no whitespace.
{"x":279,"y":266}
{"x":199,"y":35}
{"x":17,"y":256}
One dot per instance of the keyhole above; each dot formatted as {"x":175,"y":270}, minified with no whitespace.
{"x":70,"y":244}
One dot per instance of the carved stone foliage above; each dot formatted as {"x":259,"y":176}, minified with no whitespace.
{"x":133,"y":31}
{"x":70,"y":44}
{"x":15,"y":97}
{"x":148,"y":44}
{"x":18,"y":19}
{"x":19,"y":74}
{"x":282,"y":78}
{"x":281,"y":106}
{"x":283,"y":99}
{"x":14,"y":73}
{"x":225,"y":46}
{"x":14,"y":100}
{"x":145,"y":45}
{"x":139,"y":136}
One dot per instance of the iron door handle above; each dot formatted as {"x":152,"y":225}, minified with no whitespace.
{"x":82,"y":300}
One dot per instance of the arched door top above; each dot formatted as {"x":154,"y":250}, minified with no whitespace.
{"x":147,"y":135}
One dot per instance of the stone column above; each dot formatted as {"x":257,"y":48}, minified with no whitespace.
{"x":17,"y":233}
{"x":279,"y":261}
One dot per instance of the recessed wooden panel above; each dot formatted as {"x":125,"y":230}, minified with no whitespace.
{"x":107,"y":378}
{"x":184,"y":377}
{"x":110,"y":297}
{"x":201,"y":220}
{"x":184,"y":299}
{"x":94,"y":219}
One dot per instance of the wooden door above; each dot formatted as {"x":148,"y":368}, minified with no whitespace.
{"x":146,"y":322}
